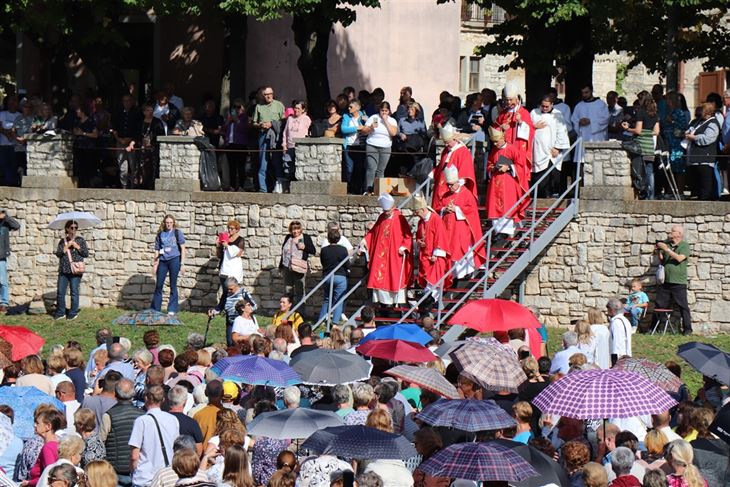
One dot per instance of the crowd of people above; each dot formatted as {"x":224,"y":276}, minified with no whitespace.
{"x":157,"y":417}
{"x":675,"y":150}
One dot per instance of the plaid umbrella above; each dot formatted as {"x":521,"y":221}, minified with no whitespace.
{"x":548,"y":470}
{"x":425,"y":378}
{"x":330,"y":367}
{"x":479,"y":462}
{"x":359,"y":442}
{"x":657,"y":373}
{"x":597,"y":394}
{"x":255,"y":370}
{"x":707,"y":359}
{"x":467,"y":415}
{"x":396,"y":351}
{"x":148,"y":317}
{"x":400,"y":331}
{"x":495,"y":368}
{"x":19,"y":342}
{"x":292,"y":423}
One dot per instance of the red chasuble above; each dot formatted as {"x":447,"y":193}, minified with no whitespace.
{"x":504,"y":189}
{"x":460,"y":157}
{"x":433,"y":234}
{"x":524,"y":146}
{"x":462,"y":234}
{"x":383,"y":241}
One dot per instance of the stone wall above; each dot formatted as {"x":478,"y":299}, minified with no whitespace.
{"x":50,"y":160}
{"x":119,"y":270}
{"x":179,"y":163}
{"x":319,"y":159}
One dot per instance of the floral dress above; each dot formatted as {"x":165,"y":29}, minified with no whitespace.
{"x":94,"y":450}
{"x":263,"y":459}
{"x":674,"y":128}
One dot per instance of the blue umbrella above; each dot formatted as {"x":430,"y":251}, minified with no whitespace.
{"x":466,"y":414}
{"x":255,"y":370}
{"x":401,"y":331}
{"x":24,"y":400}
{"x":359,"y":442}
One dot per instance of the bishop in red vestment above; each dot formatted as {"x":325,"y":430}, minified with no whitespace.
{"x":460,"y":214}
{"x":516,"y":123}
{"x":455,"y":154}
{"x":432,"y":242}
{"x":389,"y":247}
{"x":505,"y":187}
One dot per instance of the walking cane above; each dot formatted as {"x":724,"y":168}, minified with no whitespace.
{"x":402,"y":270}
{"x":207,"y":327}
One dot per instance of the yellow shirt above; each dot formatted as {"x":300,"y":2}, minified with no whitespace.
{"x":206,"y":419}
{"x":295,"y":319}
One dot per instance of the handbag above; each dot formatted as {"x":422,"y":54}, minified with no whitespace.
{"x":660,"y":274}
{"x":297,"y":264}
{"x":631,"y":146}
{"x":77,"y":268}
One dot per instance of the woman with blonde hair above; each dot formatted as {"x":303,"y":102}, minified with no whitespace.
{"x":100,"y":473}
{"x":679,"y":456}
{"x":601,"y":337}
{"x":654,"y":442}
{"x":380,"y":419}
{"x":31,"y":374}
{"x":70,"y":449}
{"x":586,"y":340}
{"x":594,"y":475}
{"x":169,"y":257}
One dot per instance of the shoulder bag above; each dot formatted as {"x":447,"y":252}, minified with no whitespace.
{"x":297,"y":264}
{"x":77,"y":268}
{"x":162,"y":442}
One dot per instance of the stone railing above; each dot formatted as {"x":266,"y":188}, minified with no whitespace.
{"x":50,"y":161}
{"x":179,"y":164}
{"x":607,"y":172}
{"x":319,"y":166}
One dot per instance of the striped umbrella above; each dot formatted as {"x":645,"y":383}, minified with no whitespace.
{"x":494,"y":367}
{"x":598,"y":394}
{"x":255,"y":370}
{"x":425,"y":378}
{"x":480,"y":462}
{"x":657,"y":373}
{"x":467,"y":415}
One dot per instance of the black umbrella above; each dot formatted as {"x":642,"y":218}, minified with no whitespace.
{"x":359,"y":442}
{"x":330,"y":367}
{"x":550,"y":471}
{"x":721,"y":425}
{"x":709,"y":360}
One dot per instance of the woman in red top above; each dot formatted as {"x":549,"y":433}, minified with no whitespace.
{"x":46,"y":425}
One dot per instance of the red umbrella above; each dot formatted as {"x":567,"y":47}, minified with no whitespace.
{"x":396,"y":351}
{"x":22,"y":341}
{"x":494,"y":315}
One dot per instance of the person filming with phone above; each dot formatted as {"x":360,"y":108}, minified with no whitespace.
{"x":673,"y":254}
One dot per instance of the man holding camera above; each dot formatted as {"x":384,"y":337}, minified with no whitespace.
{"x":7,"y":225}
{"x":673,"y":254}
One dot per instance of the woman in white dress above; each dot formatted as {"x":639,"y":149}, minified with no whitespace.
{"x":601,"y":336}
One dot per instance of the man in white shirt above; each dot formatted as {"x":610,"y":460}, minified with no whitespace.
{"x":620,"y":330}
{"x":66,"y":393}
{"x":561,"y":359}
{"x":153,"y":435}
{"x":551,"y":138}
{"x":590,"y":119}
{"x":343,"y":240}
{"x":660,"y":422}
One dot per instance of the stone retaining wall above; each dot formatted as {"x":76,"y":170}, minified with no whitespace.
{"x":319,"y":159}
{"x":179,"y":163}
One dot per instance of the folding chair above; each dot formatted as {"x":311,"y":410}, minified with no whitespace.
{"x":664,"y":317}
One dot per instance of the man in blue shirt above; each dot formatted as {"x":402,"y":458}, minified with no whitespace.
{"x":235,"y":294}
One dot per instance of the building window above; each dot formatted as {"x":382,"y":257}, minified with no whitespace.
{"x":473,"y":74}
{"x":469,"y":73}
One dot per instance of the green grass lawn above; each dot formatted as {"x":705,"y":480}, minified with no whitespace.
{"x":657,"y":348}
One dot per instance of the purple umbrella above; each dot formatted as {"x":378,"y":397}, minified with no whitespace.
{"x":479,"y":462}
{"x":466,"y":414}
{"x":255,"y":370}
{"x":598,"y":394}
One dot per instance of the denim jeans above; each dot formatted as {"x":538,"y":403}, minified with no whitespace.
{"x":339,"y":287}
{"x":650,"y":185}
{"x":4,"y":284}
{"x":163,"y":267}
{"x":263,"y":161}
{"x":353,"y":168}
{"x":65,"y":281}
{"x":635,"y":314}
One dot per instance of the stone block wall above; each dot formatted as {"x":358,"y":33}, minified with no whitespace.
{"x":179,"y":157}
{"x":50,"y":161}
{"x":319,"y":159}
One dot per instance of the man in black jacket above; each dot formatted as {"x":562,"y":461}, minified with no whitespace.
{"x":7,"y":225}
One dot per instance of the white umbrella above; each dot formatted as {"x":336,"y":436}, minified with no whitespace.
{"x":83,"y":218}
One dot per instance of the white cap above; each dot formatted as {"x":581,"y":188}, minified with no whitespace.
{"x":447,"y":132}
{"x":510,"y":90}
{"x":451,"y":175}
{"x":386,"y":201}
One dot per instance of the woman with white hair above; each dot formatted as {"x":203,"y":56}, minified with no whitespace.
{"x":680,"y":455}
{"x":362,"y":397}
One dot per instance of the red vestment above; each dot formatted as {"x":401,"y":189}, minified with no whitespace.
{"x":460,"y":157}
{"x":510,"y":135}
{"x":504,"y":189}
{"x":462,"y":234}
{"x":433,"y":234}
{"x":389,"y":271}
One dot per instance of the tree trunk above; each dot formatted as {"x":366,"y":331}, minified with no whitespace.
{"x":311,"y":35}
{"x":671,"y":56}
{"x":539,"y":52}
{"x":578,"y":42}
{"x":234,"y":55}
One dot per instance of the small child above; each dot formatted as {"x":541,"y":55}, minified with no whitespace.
{"x":636,"y":302}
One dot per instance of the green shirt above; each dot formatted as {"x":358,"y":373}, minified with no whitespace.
{"x":413,"y":395}
{"x":267,"y":113}
{"x":676,"y":272}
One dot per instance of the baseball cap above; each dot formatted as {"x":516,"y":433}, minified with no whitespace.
{"x":230,"y":390}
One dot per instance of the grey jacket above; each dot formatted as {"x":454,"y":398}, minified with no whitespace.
{"x":7,"y":225}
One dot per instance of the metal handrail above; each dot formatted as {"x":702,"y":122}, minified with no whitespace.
{"x":487,"y":236}
{"x":427,"y":184}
